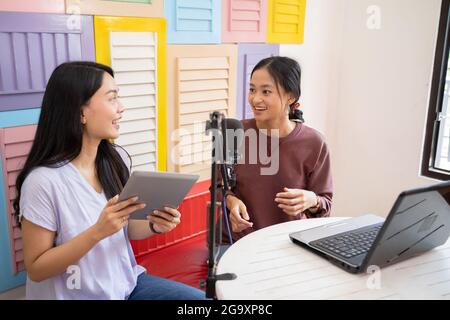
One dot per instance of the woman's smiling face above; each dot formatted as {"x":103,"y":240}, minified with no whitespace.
{"x":102,"y":114}
{"x":268,"y":101}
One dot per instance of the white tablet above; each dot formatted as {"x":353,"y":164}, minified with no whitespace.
{"x":157,"y":190}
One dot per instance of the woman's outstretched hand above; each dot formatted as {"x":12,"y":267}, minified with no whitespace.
{"x":295,"y":201}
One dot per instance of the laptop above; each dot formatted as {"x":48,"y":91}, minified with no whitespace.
{"x":418,"y":221}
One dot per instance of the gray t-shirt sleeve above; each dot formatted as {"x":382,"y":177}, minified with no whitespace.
{"x":36,"y":203}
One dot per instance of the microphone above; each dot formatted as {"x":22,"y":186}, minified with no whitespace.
{"x":232,"y":136}
{"x":232,"y":139}
{"x":227,"y":137}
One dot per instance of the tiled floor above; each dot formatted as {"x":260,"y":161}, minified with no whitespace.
{"x":13,"y":294}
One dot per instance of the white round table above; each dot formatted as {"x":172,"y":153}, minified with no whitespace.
{"x":269,"y":266}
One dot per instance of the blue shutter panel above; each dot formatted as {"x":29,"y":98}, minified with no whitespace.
{"x":193,"y":21}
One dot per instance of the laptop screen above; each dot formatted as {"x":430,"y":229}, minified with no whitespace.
{"x":418,"y":221}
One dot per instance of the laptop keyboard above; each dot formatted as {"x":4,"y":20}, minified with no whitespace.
{"x":349,"y":244}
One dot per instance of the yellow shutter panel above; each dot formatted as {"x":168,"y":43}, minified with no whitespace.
{"x":286,"y":21}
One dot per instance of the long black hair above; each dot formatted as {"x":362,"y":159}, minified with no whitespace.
{"x":286,"y":73}
{"x":59,"y":132}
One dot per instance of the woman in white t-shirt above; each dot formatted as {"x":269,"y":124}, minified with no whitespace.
{"x":76,"y":241}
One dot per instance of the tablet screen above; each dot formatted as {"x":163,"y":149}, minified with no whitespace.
{"x":157,"y":190}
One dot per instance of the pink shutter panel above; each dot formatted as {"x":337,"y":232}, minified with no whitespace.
{"x":15,"y":144}
{"x":53,"y":6}
{"x":244,"y":20}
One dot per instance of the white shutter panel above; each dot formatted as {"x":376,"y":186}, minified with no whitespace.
{"x":133,"y":59}
{"x":203,"y":88}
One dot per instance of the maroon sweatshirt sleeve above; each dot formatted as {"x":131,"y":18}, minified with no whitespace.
{"x":320,"y":182}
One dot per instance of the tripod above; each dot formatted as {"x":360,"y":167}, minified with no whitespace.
{"x":217,"y":126}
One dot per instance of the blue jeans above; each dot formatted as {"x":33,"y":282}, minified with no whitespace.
{"x":149,"y":287}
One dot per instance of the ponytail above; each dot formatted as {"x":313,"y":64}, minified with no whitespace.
{"x":295,"y":113}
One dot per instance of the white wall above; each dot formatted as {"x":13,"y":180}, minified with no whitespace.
{"x":318,"y":58}
{"x":367,"y":91}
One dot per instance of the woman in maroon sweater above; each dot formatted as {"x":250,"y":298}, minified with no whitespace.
{"x":294,"y":180}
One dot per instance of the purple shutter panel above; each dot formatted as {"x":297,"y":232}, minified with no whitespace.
{"x":33,"y":44}
{"x":248,"y":56}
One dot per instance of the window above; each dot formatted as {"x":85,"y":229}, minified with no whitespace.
{"x":436,"y":152}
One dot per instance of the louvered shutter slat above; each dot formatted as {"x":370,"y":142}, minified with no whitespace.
{"x":203,"y":106}
{"x":145,"y":167}
{"x":203,"y":85}
{"x":205,"y":96}
{"x":139,"y":113}
{"x":135,"y":137}
{"x":134,"y":65}
{"x":134,"y":77}
{"x":141,"y":148}
{"x":202,"y":75}
{"x":138,"y":101}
